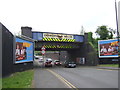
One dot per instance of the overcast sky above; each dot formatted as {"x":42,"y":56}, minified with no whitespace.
{"x":60,"y":16}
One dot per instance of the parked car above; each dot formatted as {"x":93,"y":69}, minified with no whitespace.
{"x":69,"y":64}
{"x":57,"y":62}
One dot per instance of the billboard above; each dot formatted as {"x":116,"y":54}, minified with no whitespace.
{"x":24,"y":50}
{"x":108,"y":48}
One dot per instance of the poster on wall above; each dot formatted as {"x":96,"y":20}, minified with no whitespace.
{"x":24,"y":51}
{"x":108,"y":48}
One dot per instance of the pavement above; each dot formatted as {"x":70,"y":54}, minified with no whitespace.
{"x":45,"y":79}
{"x":111,"y":68}
{"x":101,"y":67}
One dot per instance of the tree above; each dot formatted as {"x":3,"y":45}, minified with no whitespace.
{"x":103,"y":32}
{"x":111,"y":32}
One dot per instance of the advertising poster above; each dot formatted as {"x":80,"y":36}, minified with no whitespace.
{"x":24,"y":50}
{"x":108,"y":48}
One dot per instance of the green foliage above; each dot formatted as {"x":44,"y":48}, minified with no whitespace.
{"x":93,"y":46}
{"x":111,"y":32}
{"x":108,"y":65}
{"x":95,"y":43}
{"x":18,"y":80}
{"x":103,"y":32}
{"x":0,"y":83}
{"x":38,"y":53}
{"x":90,"y":38}
{"x":110,"y":36}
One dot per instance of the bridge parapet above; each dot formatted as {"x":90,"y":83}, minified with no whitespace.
{"x":57,"y":37}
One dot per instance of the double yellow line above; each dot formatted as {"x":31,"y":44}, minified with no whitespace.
{"x":63,"y":80}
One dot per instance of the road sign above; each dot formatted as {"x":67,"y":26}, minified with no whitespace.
{"x":43,"y":50}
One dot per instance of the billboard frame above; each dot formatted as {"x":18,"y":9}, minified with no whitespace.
{"x":106,"y":55}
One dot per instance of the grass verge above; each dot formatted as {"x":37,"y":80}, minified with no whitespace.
{"x":108,"y":65}
{"x":19,"y":80}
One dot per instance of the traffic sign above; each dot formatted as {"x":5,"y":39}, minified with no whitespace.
{"x":43,"y":48}
{"x":43,"y":52}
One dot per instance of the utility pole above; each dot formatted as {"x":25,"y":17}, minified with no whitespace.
{"x":117,"y":32}
{"x":116,"y":20}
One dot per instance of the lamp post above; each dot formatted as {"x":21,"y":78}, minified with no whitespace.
{"x":117,"y":32}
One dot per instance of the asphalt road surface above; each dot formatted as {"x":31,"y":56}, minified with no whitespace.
{"x":79,"y":77}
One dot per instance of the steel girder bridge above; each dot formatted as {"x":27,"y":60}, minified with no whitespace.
{"x":57,"y":41}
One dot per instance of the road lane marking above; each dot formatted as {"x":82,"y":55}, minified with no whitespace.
{"x":63,"y":80}
{"x":59,"y":77}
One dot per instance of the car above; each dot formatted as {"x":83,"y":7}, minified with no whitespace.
{"x":38,"y":61}
{"x":48,"y":62}
{"x":57,"y":62}
{"x":70,"y":64}
{"x":48,"y":59}
{"x":39,"y":58}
